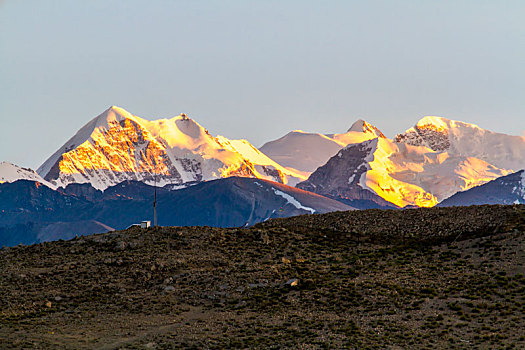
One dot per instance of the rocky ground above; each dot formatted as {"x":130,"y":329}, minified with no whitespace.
{"x":417,"y":278}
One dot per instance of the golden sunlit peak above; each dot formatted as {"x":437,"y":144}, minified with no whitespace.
{"x":362,"y":126}
{"x":358,"y":125}
{"x":117,"y":109}
{"x":439,"y":122}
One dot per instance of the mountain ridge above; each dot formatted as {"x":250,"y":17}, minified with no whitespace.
{"x":429,"y":162}
{"x":509,"y":189}
{"x":33,"y":213}
{"x":466,"y":139}
{"x":117,"y":146}
{"x":399,"y":173}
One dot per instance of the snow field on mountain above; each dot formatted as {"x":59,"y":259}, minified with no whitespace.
{"x":469,"y":140}
{"x":306,"y":152}
{"x":11,"y":173}
{"x":118,"y":146}
{"x":422,"y":166}
{"x":292,"y":201}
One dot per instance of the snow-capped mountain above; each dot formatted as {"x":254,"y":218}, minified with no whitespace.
{"x":468,"y":140}
{"x":117,"y":146}
{"x":305,"y":152}
{"x":508,"y":189}
{"x":361,"y":126}
{"x":361,"y":167}
{"x":428,"y":163}
{"x":11,"y":173}
{"x":399,"y":173}
{"x":340,"y":178}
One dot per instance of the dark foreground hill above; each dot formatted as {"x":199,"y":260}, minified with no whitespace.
{"x":419,"y":278}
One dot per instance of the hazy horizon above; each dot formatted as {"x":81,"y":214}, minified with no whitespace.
{"x":256,"y":70}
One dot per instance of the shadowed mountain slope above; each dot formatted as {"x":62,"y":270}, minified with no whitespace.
{"x":33,"y":213}
{"x":508,"y":189}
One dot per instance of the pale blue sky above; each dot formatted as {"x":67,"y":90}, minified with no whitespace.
{"x":256,"y":69}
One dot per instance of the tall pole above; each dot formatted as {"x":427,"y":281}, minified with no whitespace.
{"x":155,"y":199}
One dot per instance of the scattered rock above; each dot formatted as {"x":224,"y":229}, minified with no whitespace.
{"x":169,"y":289}
{"x":292,"y":283}
{"x":265,"y":238}
{"x":120,"y":245}
{"x":234,"y":290}
{"x":180,"y":275}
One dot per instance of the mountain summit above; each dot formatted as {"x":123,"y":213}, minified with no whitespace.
{"x":361,"y":126}
{"x":305,"y":152}
{"x":117,"y":146}
{"x":467,"y":140}
{"x":11,"y":173}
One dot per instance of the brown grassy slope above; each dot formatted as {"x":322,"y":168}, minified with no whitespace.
{"x":421,"y":278}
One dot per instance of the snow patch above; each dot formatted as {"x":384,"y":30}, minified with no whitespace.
{"x":522,"y":182}
{"x":292,"y":200}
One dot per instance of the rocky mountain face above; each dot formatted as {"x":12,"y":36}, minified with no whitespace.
{"x":508,"y":189}
{"x":398,"y":173}
{"x":33,"y":213}
{"x":429,"y":132}
{"x":428,"y":163}
{"x":340,"y":178}
{"x":117,"y":146}
{"x":467,"y":140}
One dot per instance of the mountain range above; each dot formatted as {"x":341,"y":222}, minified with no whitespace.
{"x":360,"y":168}
{"x":117,"y":146}
{"x":33,"y":213}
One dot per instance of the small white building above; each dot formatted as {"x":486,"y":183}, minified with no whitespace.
{"x":143,"y":224}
